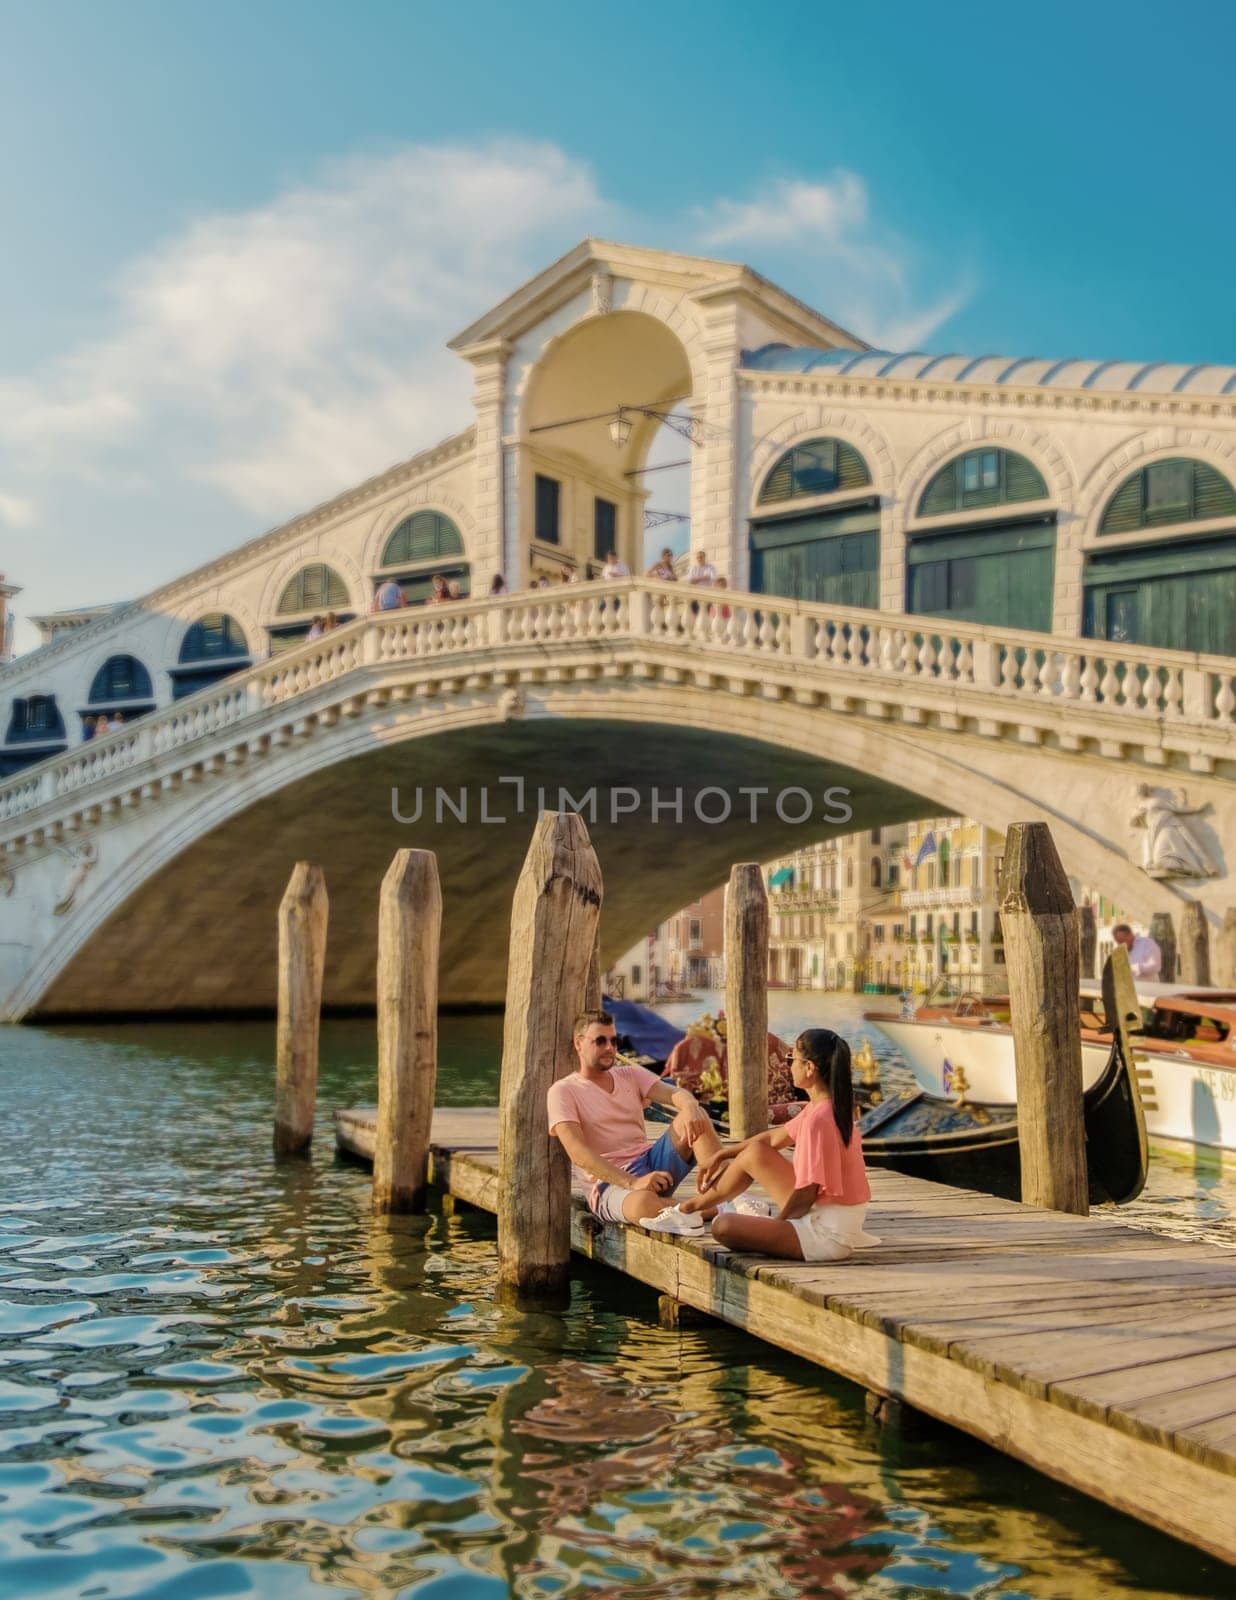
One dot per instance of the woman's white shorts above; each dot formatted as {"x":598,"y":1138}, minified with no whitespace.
{"x":832,"y":1232}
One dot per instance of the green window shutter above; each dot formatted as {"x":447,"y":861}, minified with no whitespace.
{"x":1213,"y":495}
{"x":1022,"y":479}
{"x":314,"y":588}
{"x":817,"y":466}
{"x":1124,"y":509}
{"x":940,"y":494}
{"x":424,"y":536}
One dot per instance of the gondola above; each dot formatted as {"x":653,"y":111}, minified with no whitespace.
{"x":976,"y":1147}
{"x":643,"y":1036}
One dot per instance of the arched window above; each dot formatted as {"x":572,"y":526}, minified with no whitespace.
{"x":35,"y":732}
{"x":820,"y":466}
{"x":997,"y":570}
{"x":314,"y":588}
{"x":982,"y":478}
{"x":831,"y":553}
{"x":424,"y":536}
{"x":213,"y":648}
{"x":423,"y":545}
{"x":1168,"y":492}
{"x":214,"y":637}
{"x":1175,"y":593}
{"x":120,"y":678}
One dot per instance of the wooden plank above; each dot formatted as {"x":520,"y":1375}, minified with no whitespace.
{"x":303,"y":914}
{"x":1122,"y":1390}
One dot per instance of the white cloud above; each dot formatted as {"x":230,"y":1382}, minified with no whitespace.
{"x":855,"y":270}
{"x":791,"y":210}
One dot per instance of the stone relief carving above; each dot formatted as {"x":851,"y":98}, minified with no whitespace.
{"x":7,"y":881}
{"x":513,"y":703}
{"x":602,"y":293}
{"x":82,"y":858}
{"x":1170,"y":848}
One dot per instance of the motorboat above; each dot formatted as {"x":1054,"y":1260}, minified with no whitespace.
{"x":961,"y":1045}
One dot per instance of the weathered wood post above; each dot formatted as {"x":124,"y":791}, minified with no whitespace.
{"x":1225,"y":963}
{"x":1042,"y":951}
{"x":746,"y":999}
{"x":593,"y":988}
{"x":1164,"y":935}
{"x":409,"y":930}
{"x":554,"y":922}
{"x":1088,"y":937}
{"x":1194,"y":952}
{"x":303,"y":913}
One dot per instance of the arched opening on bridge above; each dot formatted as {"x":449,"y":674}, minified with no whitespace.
{"x":213,"y":647}
{"x":983,"y":545}
{"x":817,"y":536}
{"x":315,"y":593}
{"x":596,"y":404}
{"x":1171,"y":581}
{"x":423,"y":546}
{"x":121,"y":691}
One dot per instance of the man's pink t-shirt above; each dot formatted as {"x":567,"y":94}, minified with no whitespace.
{"x":612,"y":1124}
{"x":820,"y":1157}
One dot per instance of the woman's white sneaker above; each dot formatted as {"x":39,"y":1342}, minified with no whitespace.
{"x":674,"y":1220}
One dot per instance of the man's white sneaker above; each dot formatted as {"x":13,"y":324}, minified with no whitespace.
{"x":675,"y":1220}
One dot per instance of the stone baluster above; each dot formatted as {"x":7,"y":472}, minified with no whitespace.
{"x":1225,"y":699}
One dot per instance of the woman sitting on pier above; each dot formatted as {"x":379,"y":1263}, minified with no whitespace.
{"x":823,"y":1196}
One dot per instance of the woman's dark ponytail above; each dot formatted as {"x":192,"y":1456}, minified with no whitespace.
{"x":831,"y":1056}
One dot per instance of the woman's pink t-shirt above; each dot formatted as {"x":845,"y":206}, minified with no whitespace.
{"x":612,"y":1124}
{"x":837,"y":1169}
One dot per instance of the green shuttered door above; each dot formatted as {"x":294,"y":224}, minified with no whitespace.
{"x":999,"y":576}
{"x":1170,"y":596}
{"x":831,"y":557}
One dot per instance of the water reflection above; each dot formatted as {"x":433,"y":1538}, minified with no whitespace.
{"x":219,"y":1376}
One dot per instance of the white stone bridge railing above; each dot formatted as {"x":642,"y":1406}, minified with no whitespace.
{"x":1169,"y":706}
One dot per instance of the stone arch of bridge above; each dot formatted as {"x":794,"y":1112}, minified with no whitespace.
{"x":203,"y":886}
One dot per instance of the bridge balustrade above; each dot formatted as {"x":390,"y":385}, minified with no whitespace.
{"x":835,"y":642}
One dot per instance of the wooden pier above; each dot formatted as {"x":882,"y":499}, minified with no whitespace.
{"x":1101,"y":1355}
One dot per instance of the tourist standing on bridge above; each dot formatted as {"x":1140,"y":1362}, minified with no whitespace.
{"x":497,"y":585}
{"x":597,"y":1115}
{"x":438,"y":592}
{"x":316,"y":629}
{"x":664,"y":569}
{"x":822,"y":1197}
{"x":701,"y":572}
{"x":614,"y":568}
{"x":390,"y":597}
{"x":1145,"y":957}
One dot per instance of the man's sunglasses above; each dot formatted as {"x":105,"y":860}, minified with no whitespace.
{"x":604,"y":1038}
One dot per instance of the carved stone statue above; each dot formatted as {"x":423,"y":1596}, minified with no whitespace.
{"x":1170,"y":849}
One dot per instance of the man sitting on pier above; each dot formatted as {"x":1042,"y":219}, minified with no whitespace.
{"x":598,"y":1115}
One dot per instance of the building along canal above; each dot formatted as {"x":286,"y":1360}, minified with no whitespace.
{"x":219,"y":1376}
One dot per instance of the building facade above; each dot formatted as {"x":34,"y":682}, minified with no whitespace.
{"x":1086,"y":498}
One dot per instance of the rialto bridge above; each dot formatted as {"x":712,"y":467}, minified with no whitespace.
{"x":999,"y":587}
{"x":141,"y":872}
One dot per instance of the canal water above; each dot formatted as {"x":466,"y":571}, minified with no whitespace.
{"x":220,"y":1377}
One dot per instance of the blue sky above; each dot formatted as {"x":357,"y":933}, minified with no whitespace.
{"x":235,"y":236}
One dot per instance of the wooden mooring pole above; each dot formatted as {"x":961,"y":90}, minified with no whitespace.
{"x":303,"y":914}
{"x":554,"y":922}
{"x":1164,"y":935}
{"x":1194,"y":952}
{"x":1088,"y":936}
{"x":1225,"y":964}
{"x":409,"y":930}
{"x":1041,"y":947}
{"x":746,"y":999}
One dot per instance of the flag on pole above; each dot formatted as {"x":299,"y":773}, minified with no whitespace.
{"x":927,"y":848}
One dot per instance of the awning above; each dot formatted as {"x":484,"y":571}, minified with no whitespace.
{"x":782,"y":875}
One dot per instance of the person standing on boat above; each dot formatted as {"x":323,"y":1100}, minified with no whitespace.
{"x":1145,"y":957}
{"x":597,"y":1115}
{"x":822,"y":1196}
